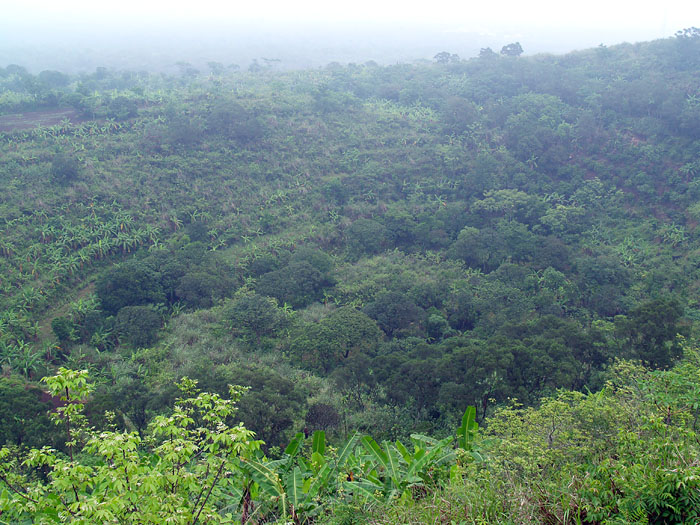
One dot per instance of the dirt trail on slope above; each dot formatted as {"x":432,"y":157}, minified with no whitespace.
{"x":45,"y":330}
{"x":33,"y":119}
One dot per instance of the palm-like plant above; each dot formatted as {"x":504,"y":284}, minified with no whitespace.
{"x":175,"y":222}
{"x":8,"y":353}
{"x":103,"y":339}
{"x":299,"y":486}
{"x":6,"y":248}
{"x":125,"y":241}
{"x":28,"y":360}
{"x":71,"y":263}
{"x":391,"y":470}
{"x":21,"y":357}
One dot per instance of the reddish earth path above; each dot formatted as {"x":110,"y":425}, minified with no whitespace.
{"x":33,"y":119}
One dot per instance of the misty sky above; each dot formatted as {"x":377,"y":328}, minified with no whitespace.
{"x":335,"y":30}
{"x":652,"y":18}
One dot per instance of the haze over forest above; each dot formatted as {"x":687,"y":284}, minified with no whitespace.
{"x":77,"y":36}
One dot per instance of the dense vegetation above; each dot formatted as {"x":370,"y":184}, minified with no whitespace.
{"x":370,"y":250}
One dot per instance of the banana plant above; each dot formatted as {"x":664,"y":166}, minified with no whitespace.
{"x":299,"y":486}
{"x":468,"y":434}
{"x":389,"y":471}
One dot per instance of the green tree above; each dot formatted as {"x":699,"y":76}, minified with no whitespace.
{"x":366,"y":236}
{"x":487,"y":53}
{"x":321,"y":416}
{"x":199,"y":289}
{"x":446,"y":58}
{"x":394,"y":312}
{"x":138,"y":325}
{"x":122,"y":108}
{"x":54,"y":79}
{"x":512,"y":50}
{"x":64,"y":329}
{"x":484,"y":249}
{"x":603,"y":281}
{"x":327,"y":344}
{"x":273,"y":405}
{"x":653,"y":329}
{"x":64,"y":167}
{"x":253,"y":315}
{"x":230,"y":119}
{"x":316,"y":258}
{"x":298,"y":284}
{"x":25,"y":420}
{"x":131,"y":283}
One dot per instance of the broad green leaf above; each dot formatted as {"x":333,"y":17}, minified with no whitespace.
{"x":375,"y":451}
{"x":267,"y":480}
{"x":392,"y":462}
{"x":425,"y":440}
{"x":421,"y":464}
{"x":317,"y":459}
{"x":405,"y":454}
{"x":304,"y":464}
{"x":319,"y":482}
{"x":295,"y":444}
{"x":369,"y":490}
{"x":346,"y":450}
{"x":478,"y":457}
{"x":294,"y":487}
{"x":319,"y":442}
{"x":466,"y":433}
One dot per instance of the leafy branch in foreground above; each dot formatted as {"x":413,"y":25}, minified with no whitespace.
{"x":177,"y":475}
{"x":194,"y":466}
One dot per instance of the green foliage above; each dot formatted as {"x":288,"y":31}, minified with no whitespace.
{"x":479,"y":249}
{"x":316,"y":258}
{"x":272,"y":406}
{"x":390,"y":471}
{"x":301,"y":281}
{"x":230,"y":119}
{"x":198,"y":289}
{"x":487,"y":229}
{"x":298,"y":284}
{"x":182,"y":129}
{"x":177,"y":477}
{"x":128,"y":284}
{"x":366,"y":236}
{"x":64,"y":167}
{"x":394,"y":312}
{"x":653,"y":329}
{"x":54,"y":79}
{"x":466,"y":433}
{"x":623,"y":454}
{"x":436,"y":326}
{"x":322,"y":416}
{"x":138,"y":325}
{"x":64,"y":329}
{"x":512,"y":50}
{"x":27,"y":423}
{"x":253,"y":315}
{"x":345,"y":333}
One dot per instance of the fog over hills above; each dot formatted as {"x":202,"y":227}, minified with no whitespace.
{"x":78,"y":36}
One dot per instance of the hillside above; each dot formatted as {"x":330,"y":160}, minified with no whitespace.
{"x":372,"y":249}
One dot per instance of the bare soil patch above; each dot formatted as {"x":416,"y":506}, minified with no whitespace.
{"x":34,"y":119}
